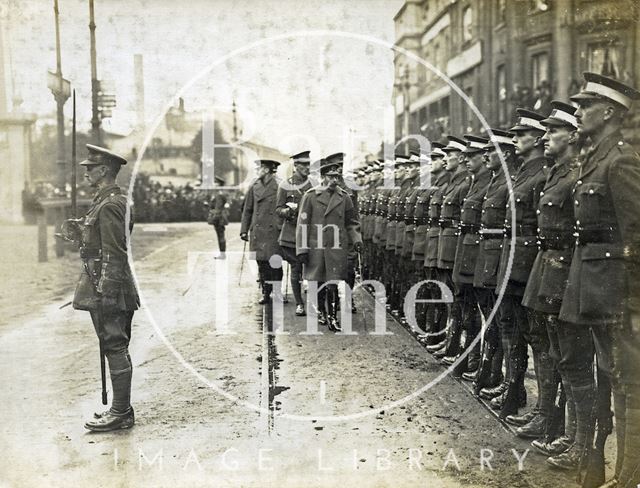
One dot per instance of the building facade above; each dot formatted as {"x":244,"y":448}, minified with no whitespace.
{"x":503,"y":54}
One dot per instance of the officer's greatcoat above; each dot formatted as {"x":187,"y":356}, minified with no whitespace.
{"x":260,"y":221}
{"x":327,"y":224}
{"x":103,"y":250}
{"x":604,"y":273}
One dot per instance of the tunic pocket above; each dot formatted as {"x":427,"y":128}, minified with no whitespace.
{"x":603,"y":281}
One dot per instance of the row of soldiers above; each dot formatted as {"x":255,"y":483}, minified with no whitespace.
{"x":527,"y":239}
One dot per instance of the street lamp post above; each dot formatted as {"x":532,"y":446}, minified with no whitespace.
{"x":96,"y":136}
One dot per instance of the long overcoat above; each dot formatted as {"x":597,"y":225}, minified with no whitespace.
{"x":259,"y":219}
{"x":604,"y":278}
{"x":327,"y":225}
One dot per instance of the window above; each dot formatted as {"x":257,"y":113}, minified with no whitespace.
{"x":467,"y":24}
{"x":501,"y":90}
{"x":539,"y":69}
{"x":604,"y":58}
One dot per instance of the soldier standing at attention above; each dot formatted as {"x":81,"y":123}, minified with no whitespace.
{"x":287,"y":202}
{"x":517,"y":329}
{"x":219,"y":216}
{"x":570,"y":347}
{"x":603,"y":290}
{"x":448,"y":239}
{"x":260,"y":222}
{"x":106,"y":288}
{"x":467,"y":253}
{"x":488,"y":383}
{"x":436,"y":314}
{"x":327,"y":226}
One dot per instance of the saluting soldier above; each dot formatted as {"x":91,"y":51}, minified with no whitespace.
{"x":327,"y":226}
{"x":106,"y":288}
{"x":570,"y":347}
{"x":489,"y":381}
{"x":436,"y":318}
{"x":261,"y":227}
{"x":448,"y":241}
{"x":467,"y":253}
{"x":219,"y":216}
{"x":288,"y":200}
{"x":603,"y":290}
{"x":518,"y":328}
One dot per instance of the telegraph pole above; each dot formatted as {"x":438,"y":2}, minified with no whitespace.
{"x":96,"y":136}
{"x":61,"y":91}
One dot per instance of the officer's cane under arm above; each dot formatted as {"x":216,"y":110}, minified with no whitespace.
{"x":244,"y":249}
{"x":103,"y":373}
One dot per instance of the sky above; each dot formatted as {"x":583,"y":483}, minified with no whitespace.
{"x":328,"y":77}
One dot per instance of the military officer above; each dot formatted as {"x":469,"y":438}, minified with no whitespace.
{"x":448,"y":239}
{"x":467,"y":253}
{"x":570,"y":348}
{"x":517,"y":328}
{"x":219,"y":216}
{"x":327,"y":225}
{"x":488,"y":383}
{"x":106,"y":288}
{"x":380,"y":227}
{"x":261,"y":227}
{"x":288,"y":200}
{"x":603,"y":290}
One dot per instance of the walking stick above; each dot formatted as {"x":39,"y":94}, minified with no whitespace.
{"x":244,"y":249}
{"x":103,"y":374}
{"x":286,"y":286}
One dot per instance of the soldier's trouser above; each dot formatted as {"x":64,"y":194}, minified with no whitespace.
{"x":114,"y":331}
{"x":618,"y":351}
{"x":268,"y":274}
{"x":462,"y":298}
{"x":289,"y":255}
{"x":490,"y":371}
{"x":557,"y":352}
{"x":222,"y":242}
{"x":436,"y":314}
{"x":513,"y":324}
{"x":547,"y":375}
{"x":423,"y":293}
{"x":472,"y":323}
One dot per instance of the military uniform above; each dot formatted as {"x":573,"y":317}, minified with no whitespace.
{"x":262,"y":225}
{"x":288,"y":200}
{"x":219,"y":216}
{"x":488,"y":381}
{"x":106,"y":288}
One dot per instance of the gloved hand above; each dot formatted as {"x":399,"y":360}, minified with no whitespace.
{"x":303,"y":258}
{"x":244,"y":236}
{"x":357,"y":247}
{"x":108,"y":303}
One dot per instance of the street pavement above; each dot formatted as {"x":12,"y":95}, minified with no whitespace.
{"x":221,"y":401}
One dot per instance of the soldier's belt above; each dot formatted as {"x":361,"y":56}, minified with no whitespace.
{"x":449,"y":223}
{"x":90,"y":253}
{"x":469,"y":228}
{"x":556,"y":244}
{"x":521,"y":230}
{"x":596,"y":236}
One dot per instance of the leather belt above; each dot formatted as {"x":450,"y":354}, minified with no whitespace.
{"x":595,"y":236}
{"x":449,"y":223}
{"x":556,"y":244}
{"x":90,"y":253}
{"x":522,"y":230}
{"x":469,"y":228}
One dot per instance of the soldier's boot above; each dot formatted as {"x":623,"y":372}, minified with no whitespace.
{"x":322,"y":307}
{"x":537,"y":425}
{"x":222,"y":244}
{"x":120,"y":415}
{"x":296,"y":286}
{"x":584,"y":397}
{"x":557,"y":446}
{"x":630,"y":465}
{"x":332,"y":305}
{"x":514,"y":398}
